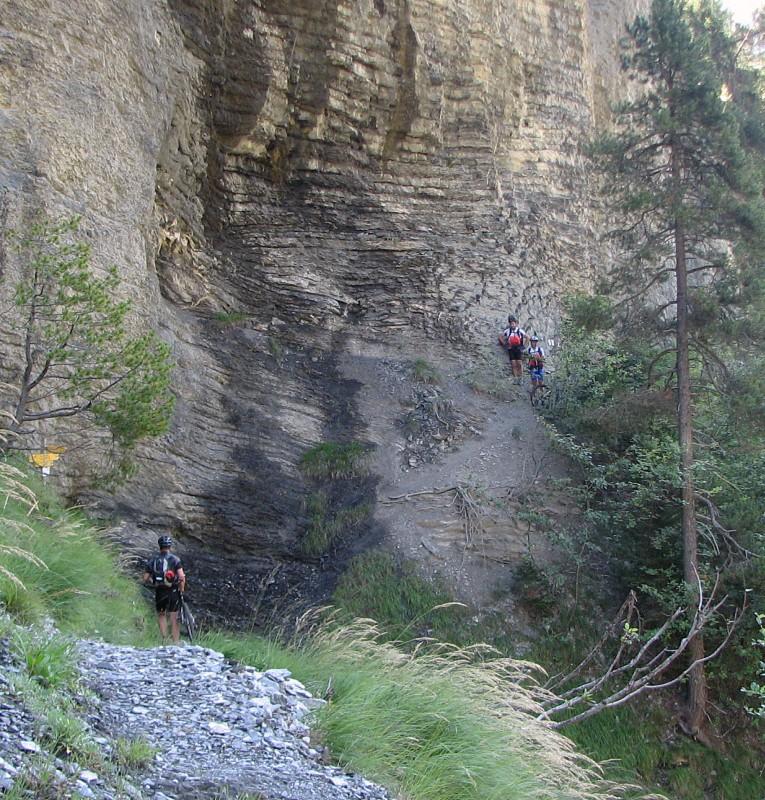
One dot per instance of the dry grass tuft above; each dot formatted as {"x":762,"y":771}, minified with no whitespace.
{"x":450,"y":723}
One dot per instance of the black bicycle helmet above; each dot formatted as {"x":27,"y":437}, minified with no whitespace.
{"x":165,"y":541}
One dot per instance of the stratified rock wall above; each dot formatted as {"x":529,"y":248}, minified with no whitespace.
{"x":310,"y":168}
{"x":405,"y":162}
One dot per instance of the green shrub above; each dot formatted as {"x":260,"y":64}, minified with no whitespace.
{"x":400,"y":599}
{"x":324,"y":526}
{"x":331,"y":460}
{"x":230,"y":317}
{"x":755,"y":689}
{"x":534,"y":588}
{"x":81,"y":367}
{"x":67,"y":736}
{"x":133,"y":753}
{"x":50,"y":660}
{"x":425,"y":372}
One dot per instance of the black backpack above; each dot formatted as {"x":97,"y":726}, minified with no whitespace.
{"x":158,"y":568}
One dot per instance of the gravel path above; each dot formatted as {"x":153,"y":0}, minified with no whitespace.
{"x":219,"y":731}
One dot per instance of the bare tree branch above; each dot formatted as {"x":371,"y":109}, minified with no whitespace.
{"x":641,"y":672}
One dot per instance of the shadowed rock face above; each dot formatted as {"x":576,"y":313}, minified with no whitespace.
{"x":313,"y":169}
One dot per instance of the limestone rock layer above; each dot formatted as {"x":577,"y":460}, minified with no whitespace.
{"x":274,"y":176}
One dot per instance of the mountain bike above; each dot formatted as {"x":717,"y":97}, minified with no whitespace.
{"x":186,"y":620}
{"x":540,"y":396}
{"x":546,"y":396}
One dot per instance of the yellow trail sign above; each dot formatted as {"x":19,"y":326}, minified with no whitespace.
{"x":43,"y":459}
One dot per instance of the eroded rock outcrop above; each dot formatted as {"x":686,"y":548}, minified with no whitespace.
{"x":312,"y":169}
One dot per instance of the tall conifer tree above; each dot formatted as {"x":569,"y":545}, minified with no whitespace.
{"x":688,"y":211}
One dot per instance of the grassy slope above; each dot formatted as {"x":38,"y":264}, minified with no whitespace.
{"x":433,"y":723}
{"x":55,"y":563}
{"x":638,"y":740}
{"x":441,"y":724}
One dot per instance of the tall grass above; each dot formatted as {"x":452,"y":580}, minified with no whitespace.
{"x":400,"y":600}
{"x":55,"y":563}
{"x":407,"y":606}
{"x":425,"y":372}
{"x":436,"y":723}
{"x":326,"y":526}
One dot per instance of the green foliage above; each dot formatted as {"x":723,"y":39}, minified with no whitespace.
{"x":755,"y":689}
{"x":626,"y":734}
{"x":330,"y":512}
{"x":40,"y":781}
{"x":676,"y":172}
{"x":620,"y":430}
{"x":589,"y":314}
{"x":277,"y":350}
{"x":80,"y":367}
{"x":400,"y":599}
{"x":335,"y":461}
{"x":230,"y":317}
{"x":621,"y":433}
{"x":49,"y":660}
{"x":625,"y":740}
{"x":690,"y":224}
{"x":425,"y":372}
{"x":325,"y":527}
{"x":419,"y":722}
{"x":67,"y":736}
{"x":133,"y":753}
{"x":533,"y":587}
{"x":47,"y":683}
{"x":55,"y":563}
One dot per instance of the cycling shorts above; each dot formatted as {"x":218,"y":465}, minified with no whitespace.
{"x":168,"y":599}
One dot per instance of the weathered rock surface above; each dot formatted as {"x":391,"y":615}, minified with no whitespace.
{"x":382,"y":171}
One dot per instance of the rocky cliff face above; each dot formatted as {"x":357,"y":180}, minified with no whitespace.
{"x":321,"y":172}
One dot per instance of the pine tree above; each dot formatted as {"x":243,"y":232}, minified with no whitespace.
{"x":78,"y":362}
{"x":688,"y":205}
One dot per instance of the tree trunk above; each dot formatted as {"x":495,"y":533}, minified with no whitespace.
{"x":695,"y":713}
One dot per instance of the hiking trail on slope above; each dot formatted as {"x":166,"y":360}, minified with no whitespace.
{"x":456,"y":466}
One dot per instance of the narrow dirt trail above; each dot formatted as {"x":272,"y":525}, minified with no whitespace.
{"x":456,"y":466}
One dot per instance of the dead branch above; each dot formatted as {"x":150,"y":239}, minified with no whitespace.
{"x":398,"y":497}
{"x":735,"y":549}
{"x":640,"y":672}
{"x":471,"y":513}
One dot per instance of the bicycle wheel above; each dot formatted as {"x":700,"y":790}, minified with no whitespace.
{"x":540,"y":396}
{"x":186,"y":619}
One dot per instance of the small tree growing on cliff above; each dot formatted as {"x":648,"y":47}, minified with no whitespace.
{"x":687,"y":198}
{"x":79,"y":366}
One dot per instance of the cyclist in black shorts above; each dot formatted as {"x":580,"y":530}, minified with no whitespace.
{"x":515,"y":338}
{"x":165,"y":573}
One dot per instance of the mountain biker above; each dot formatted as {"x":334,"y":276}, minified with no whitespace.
{"x":514,"y":338}
{"x":535,"y":355}
{"x":165,"y":574}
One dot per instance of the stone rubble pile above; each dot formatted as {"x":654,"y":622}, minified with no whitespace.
{"x":220,"y":730}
